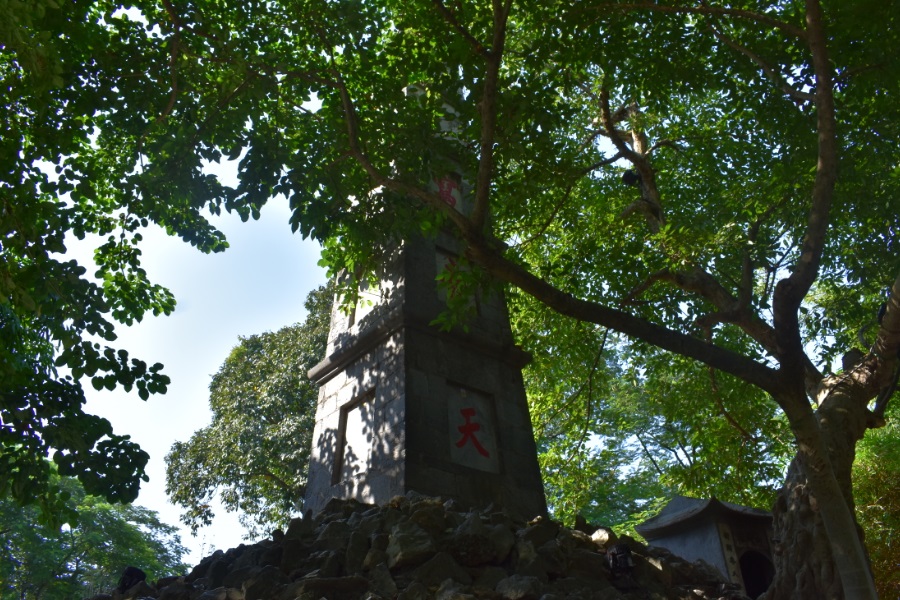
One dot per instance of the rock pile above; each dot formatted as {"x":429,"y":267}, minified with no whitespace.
{"x":422,"y":548}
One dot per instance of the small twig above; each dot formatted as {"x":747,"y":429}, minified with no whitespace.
{"x":714,"y":385}
{"x":648,"y":453}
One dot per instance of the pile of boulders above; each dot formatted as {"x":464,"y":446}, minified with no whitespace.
{"x":422,"y":548}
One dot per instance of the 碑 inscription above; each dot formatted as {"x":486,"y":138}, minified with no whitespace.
{"x":471,"y":433}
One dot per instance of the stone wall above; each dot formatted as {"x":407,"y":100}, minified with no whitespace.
{"x":422,"y":548}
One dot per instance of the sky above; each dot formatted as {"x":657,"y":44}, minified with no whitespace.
{"x":259,"y":284}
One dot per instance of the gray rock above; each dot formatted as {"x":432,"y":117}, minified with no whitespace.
{"x":604,"y":537}
{"x":429,"y":517}
{"x":357,"y":550}
{"x":238,"y":576}
{"x":264,"y":584}
{"x":415,"y":591}
{"x":488,"y":577}
{"x":381,"y":581}
{"x":553,"y":558}
{"x":440,"y":568}
{"x":503,"y":540}
{"x":539,"y":532}
{"x":221,"y":593}
{"x":298,"y":528}
{"x":217,"y":572}
{"x":409,"y":545}
{"x":177,"y":590}
{"x":332,"y":588}
{"x":451,"y":590}
{"x":471,"y":543}
{"x":520,"y":587}
{"x":333,"y":536}
{"x":293,"y":554}
{"x":588,"y":564}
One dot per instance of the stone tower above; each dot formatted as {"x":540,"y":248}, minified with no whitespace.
{"x":404,"y":406}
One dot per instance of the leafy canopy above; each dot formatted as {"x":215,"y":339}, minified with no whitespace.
{"x":758,"y":241}
{"x":59,"y":563}
{"x":254,"y":455}
{"x":78,"y":109}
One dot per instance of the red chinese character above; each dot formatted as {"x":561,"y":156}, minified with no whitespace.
{"x":468,"y":430}
{"x":446,"y":187}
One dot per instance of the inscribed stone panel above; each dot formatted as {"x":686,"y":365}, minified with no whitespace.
{"x":472,"y":434}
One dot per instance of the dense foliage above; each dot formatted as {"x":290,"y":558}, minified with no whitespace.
{"x":38,"y":560}
{"x":254,"y":455}
{"x":73,"y":93}
{"x":714,"y":181}
{"x":617,"y":430}
{"x":876,"y":469}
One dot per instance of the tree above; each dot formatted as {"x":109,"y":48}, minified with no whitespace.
{"x":878,"y":502}
{"x":254,"y":456}
{"x":619,"y":432}
{"x":63,"y":174}
{"x":754,"y":233}
{"x":52,"y":562}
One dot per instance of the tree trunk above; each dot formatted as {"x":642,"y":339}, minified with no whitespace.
{"x":805,"y":562}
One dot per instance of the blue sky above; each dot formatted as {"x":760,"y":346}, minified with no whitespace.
{"x":258,"y":284}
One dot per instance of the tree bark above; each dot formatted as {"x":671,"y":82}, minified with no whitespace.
{"x":819,"y":551}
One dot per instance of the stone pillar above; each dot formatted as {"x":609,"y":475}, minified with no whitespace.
{"x":403,"y":406}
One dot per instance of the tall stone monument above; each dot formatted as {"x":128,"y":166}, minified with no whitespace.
{"x":404,"y":406}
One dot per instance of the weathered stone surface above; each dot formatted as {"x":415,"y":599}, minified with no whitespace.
{"x":177,"y":590}
{"x":520,"y":587}
{"x":539,"y":532}
{"x":357,"y":550}
{"x":139,"y":590}
{"x":487,"y":578}
{"x":333,"y":588}
{"x":451,"y":590}
{"x":217,"y":572}
{"x":430,"y":518}
{"x":265,"y":584}
{"x":588,"y":564}
{"x":415,"y":591}
{"x":333,"y":536}
{"x":377,"y":553}
{"x":471,"y":543}
{"x":604,"y":537}
{"x":299,"y":528}
{"x":238,"y":576}
{"x":381,"y":581}
{"x":221,"y":593}
{"x":440,"y":568}
{"x":434,"y":550}
{"x":409,"y":545}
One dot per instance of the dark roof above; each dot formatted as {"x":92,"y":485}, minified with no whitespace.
{"x":682,"y":513}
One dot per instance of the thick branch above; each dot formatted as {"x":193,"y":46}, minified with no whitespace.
{"x":721,"y":358}
{"x":489,"y":115}
{"x":789,"y":292}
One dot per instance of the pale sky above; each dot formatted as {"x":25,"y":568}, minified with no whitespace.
{"x":259,"y":284}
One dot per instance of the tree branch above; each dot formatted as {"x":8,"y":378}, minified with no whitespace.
{"x":770,"y":72}
{"x":790,"y":292}
{"x":488,"y":106}
{"x":723,"y":359}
